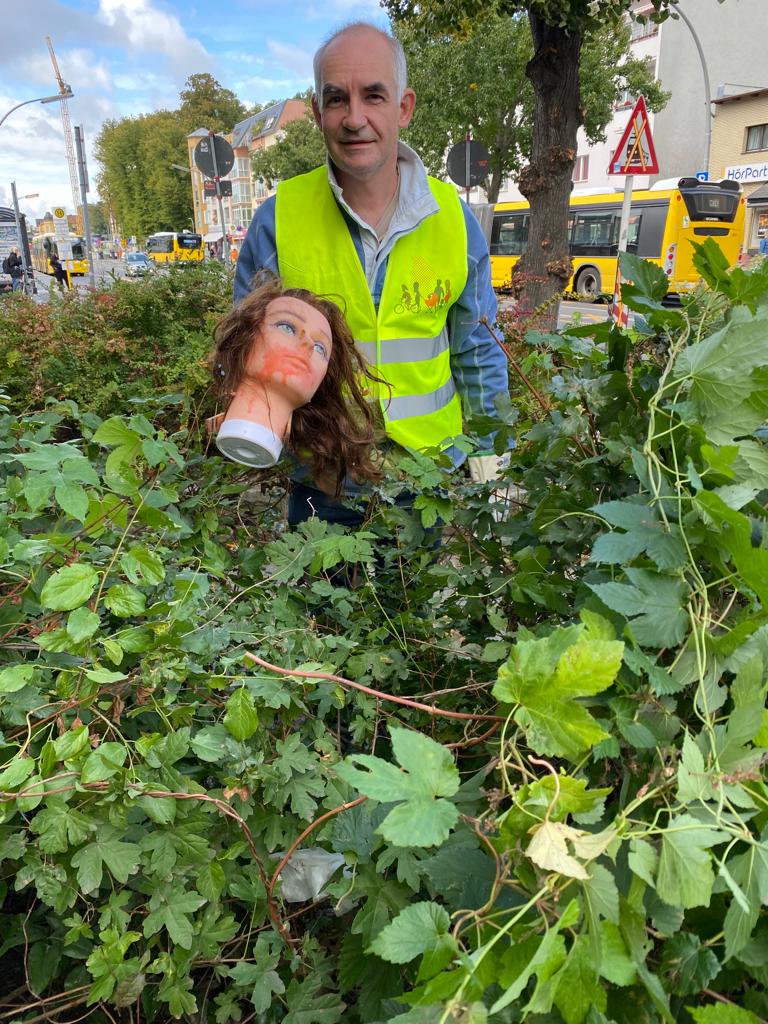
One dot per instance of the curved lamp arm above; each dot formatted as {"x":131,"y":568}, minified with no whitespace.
{"x":40,"y":99}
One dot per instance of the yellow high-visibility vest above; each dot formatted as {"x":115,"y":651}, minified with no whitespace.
{"x":406,"y":342}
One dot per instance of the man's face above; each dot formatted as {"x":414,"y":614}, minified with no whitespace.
{"x":292,"y":350}
{"x":359,"y":111}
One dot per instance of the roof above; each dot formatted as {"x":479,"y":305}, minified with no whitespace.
{"x":198,"y":134}
{"x":742,"y":95}
{"x":265,"y":122}
{"x":758,"y":197}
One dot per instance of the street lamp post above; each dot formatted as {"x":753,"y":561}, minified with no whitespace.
{"x":39,"y":99}
{"x":17,"y":216}
{"x":707,"y":92}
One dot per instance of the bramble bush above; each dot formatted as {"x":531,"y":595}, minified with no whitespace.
{"x":133,"y":339}
{"x":537,"y":754}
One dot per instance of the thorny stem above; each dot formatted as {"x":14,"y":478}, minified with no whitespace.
{"x":464,"y":716}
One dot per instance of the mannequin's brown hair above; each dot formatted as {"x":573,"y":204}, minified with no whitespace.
{"x":334,"y":433}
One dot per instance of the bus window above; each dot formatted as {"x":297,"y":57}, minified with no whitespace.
{"x":633,"y":231}
{"x":509,"y":234}
{"x":160,"y":243}
{"x":189,"y":241}
{"x":78,"y":250}
{"x":651,"y":230}
{"x":594,"y":233}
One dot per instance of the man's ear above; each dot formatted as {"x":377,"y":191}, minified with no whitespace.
{"x":316,"y":111}
{"x":407,"y":104}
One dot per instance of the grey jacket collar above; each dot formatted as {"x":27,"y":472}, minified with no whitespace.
{"x":416,"y":200}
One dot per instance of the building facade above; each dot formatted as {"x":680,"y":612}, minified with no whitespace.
{"x":258,"y":131}
{"x":732,"y":37}
{"x":740,"y":152}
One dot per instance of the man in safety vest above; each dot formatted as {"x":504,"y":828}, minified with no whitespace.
{"x":405,"y":254}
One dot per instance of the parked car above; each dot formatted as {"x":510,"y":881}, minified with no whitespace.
{"x":137,"y":264}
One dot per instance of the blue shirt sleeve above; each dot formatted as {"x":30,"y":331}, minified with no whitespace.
{"x":478,"y":365}
{"x":259,"y":251}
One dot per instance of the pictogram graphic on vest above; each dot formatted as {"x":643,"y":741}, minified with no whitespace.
{"x":412,"y":299}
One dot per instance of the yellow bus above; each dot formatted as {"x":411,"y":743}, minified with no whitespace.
{"x":44,"y":246}
{"x":175,"y":247}
{"x":663,"y":222}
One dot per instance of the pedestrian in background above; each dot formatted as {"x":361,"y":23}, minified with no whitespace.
{"x":364,"y":227}
{"x":59,"y":273}
{"x":16,"y":270}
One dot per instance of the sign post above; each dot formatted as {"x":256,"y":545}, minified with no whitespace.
{"x":635,"y":154}
{"x":468,"y":164}
{"x":214,"y":157}
{"x":63,"y":241}
{"x":82,"y":173}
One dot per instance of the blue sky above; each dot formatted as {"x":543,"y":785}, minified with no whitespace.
{"x":127,"y":57}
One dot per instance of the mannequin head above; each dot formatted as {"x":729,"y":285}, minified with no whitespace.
{"x":285,"y":361}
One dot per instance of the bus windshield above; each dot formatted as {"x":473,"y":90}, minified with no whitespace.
{"x":160,"y":243}
{"x":187,"y":241}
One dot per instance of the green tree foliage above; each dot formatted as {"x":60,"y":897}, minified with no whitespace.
{"x":207,"y":104}
{"x":99,"y":218}
{"x":479,"y":82}
{"x":558,"y":31}
{"x":300,"y":149}
{"x":519,"y":779}
{"x":137,"y":178}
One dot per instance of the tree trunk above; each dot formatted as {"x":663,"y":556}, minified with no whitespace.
{"x":544,"y":269}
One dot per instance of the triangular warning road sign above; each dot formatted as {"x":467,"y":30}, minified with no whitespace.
{"x":635,"y":153}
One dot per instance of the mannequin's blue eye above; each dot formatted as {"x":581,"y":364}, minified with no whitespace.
{"x":321,"y":349}
{"x":286,"y":326}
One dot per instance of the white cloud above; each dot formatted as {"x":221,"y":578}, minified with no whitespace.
{"x":142,"y":27}
{"x":294,"y":58}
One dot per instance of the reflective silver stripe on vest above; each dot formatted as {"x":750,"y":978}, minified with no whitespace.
{"x":404,"y":350}
{"x":405,"y":406}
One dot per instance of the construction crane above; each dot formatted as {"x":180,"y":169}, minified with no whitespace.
{"x":70,"y":146}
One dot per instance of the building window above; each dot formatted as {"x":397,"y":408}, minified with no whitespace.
{"x":643,"y":30}
{"x":581,"y":168}
{"x":757,"y":138}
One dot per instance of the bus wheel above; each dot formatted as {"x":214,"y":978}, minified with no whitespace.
{"x":588,"y":283}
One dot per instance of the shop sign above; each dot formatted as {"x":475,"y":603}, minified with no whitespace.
{"x":748,"y":173}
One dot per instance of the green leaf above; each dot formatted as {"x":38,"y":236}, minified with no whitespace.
{"x":729,"y":399}
{"x":419,"y":822}
{"x":646,"y":532}
{"x":82,"y":623}
{"x":72,"y":743}
{"x":211,"y":743}
{"x":427,"y":761}
{"x":59,"y":826}
{"x":652,"y":602}
{"x":142,"y":566}
{"x":124,"y":600}
{"x":722,"y":1013}
{"x":747,"y":877}
{"x":307,"y":1005}
{"x":105,"y":847}
{"x":577,"y":987}
{"x":422,"y":819}
{"x":73,"y":499}
{"x":689,"y":966}
{"x":16,"y":678}
{"x":240,"y":718}
{"x":545,"y":676}
{"x":416,"y":930}
{"x":115,"y":431}
{"x":69,"y":587}
{"x":685,"y":876}
{"x":103,"y":762}
{"x":171,"y":910}
{"x":16,"y":772}
{"x":616,"y":964}
{"x":649,"y":278}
